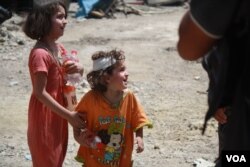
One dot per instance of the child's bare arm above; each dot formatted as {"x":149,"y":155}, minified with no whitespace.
{"x":39,"y":90}
{"x":139,"y":140}
{"x":77,"y":134}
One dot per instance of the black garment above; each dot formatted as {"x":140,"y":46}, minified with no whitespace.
{"x":17,"y":5}
{"x":4,"y":14}
{"x":228,"y":67}
{"x":213,"y":16}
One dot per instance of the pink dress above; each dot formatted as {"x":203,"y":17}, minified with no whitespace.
{"x":47,"y":132}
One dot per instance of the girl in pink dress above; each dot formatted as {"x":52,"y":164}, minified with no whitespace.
{"x":48,"y":118}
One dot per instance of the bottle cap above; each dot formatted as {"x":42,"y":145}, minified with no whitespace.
{"x":74,"y":52}
{"x":68,"y":88}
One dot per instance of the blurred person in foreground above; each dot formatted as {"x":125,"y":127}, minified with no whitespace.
{"x":218,"y":32}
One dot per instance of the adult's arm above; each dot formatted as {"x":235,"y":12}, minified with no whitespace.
{"x":193,"y":42}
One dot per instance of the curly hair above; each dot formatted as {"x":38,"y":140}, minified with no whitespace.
{"x":95,"y":78}
{"x":38,"y":23}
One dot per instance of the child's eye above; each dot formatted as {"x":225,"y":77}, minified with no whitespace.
{"x":123,"y":69}
{"x":61,"y":16}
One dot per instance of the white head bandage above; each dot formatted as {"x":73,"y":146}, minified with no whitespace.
{"x":103,"y":62}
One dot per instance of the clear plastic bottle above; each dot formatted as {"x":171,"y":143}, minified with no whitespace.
{"x":70,"y":97}
{"x":92,"y":140}
{"x":72,"y":79}
{"x":96,"y":142}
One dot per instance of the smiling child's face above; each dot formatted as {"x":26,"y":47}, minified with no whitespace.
{"x":118,"y":81}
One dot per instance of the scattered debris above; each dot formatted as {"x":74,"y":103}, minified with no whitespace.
{"x":28,"y":157}
{"x":200,"y":162}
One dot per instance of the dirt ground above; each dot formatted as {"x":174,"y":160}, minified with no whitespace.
{"x":172,"y":91}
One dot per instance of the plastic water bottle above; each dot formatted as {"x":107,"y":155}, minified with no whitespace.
{"x":72,"y":79}
{"x":96,"y":142}
{"x":70,"y":97}
{"x":92,"y":140}
{"x":69,"y":89}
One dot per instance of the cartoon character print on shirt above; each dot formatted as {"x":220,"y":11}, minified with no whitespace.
{"x":113,"y":140}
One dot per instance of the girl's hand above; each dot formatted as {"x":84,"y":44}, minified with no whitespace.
{"x":84,"y":137}
{"x":220,"y":115}
{"x":77,"y":119}
{"x":140,"y":144}
{"x":72,"y":67}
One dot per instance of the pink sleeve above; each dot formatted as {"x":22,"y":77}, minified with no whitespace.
{"x":39,"y":61}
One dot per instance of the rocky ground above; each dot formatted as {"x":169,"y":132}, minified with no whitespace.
{"x":172,"y":91}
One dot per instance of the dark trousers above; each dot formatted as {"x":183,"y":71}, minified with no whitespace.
{"x":235,"y":134}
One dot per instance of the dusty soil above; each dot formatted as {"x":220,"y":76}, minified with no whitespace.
{"x":172,"y":91}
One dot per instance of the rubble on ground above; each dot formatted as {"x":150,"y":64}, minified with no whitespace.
{"x":11,"y":34}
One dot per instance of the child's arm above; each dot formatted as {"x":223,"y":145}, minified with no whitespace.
{"x":76,"y":133}
{"x":220,"y":115}
{"x":39,"y":90}
{"x":139,"y":140}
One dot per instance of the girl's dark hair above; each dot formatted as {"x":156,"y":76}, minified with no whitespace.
{"x":95,"y":78}
{"x":38,"y":23}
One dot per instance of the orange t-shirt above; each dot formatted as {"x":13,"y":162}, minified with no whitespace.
{"x":115,"y":127}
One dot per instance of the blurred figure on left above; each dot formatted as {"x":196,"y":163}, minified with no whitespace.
{"x":5,"y":14}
